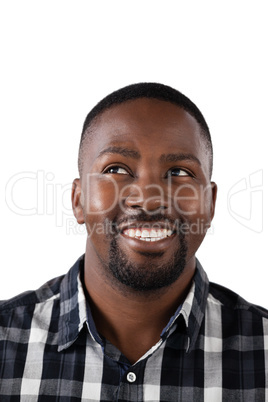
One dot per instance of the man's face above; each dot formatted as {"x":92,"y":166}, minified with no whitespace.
{"x":145,"y":193}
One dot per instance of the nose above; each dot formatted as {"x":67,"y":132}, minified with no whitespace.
{"x":147,"y":195}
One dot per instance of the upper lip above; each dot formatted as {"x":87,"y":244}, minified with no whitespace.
{"x":146,"y":225}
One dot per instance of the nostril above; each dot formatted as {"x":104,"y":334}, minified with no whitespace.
{"x":147,"y":205}
{"x":154,"y":204}
{"x":135,"y":206}
{"x":149,"y":198}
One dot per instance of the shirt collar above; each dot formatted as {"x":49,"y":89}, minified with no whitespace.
{"x":74,"y":312}
{"x":193,"y":308}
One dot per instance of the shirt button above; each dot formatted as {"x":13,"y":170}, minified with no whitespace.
{"x":131,"y":377}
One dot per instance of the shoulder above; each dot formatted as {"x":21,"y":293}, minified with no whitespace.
{"x":30,"y":316}
{"x":27,"y":301}
{"x":42,"y":307}
{"x":233,"y":305}
{"x":232,"y":300}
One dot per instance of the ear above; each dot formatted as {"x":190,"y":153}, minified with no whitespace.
{"x":76,"y":201}
{"x":214,"y":190}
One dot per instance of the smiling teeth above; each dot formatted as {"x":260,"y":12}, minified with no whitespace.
{"x":148,"y":234}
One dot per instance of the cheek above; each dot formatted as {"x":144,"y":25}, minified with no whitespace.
{"x":100,"y":197}
{"x":193,"y":206}
{"x":193,"y":202}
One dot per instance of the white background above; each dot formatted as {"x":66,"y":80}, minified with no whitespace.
{"x":59,"y":58}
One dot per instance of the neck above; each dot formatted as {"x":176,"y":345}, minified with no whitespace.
{"x":131,"y":320}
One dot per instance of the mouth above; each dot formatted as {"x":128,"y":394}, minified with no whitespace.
{"x":148,"y":234}
{"x":148,"y":237}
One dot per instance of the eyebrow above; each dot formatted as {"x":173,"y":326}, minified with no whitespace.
{"x":128,"y":153}
{"x":179,"y":157}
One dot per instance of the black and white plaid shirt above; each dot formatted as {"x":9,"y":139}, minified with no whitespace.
{"x":215,"y":348}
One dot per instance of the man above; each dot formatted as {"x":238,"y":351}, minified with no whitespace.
{"x":135,"y":319}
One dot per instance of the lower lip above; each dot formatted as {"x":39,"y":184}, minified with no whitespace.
{"x":149,"y":246}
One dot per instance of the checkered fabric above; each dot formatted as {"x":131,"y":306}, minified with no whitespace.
{"x":215,"y":348}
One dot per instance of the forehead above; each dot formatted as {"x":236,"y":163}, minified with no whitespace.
{"x":149,"y":126}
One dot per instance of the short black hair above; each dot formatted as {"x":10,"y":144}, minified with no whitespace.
{"x":146,"y":90}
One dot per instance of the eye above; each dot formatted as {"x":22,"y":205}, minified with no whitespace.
{"x":177,"y":172}
{"x":116,"y":170}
